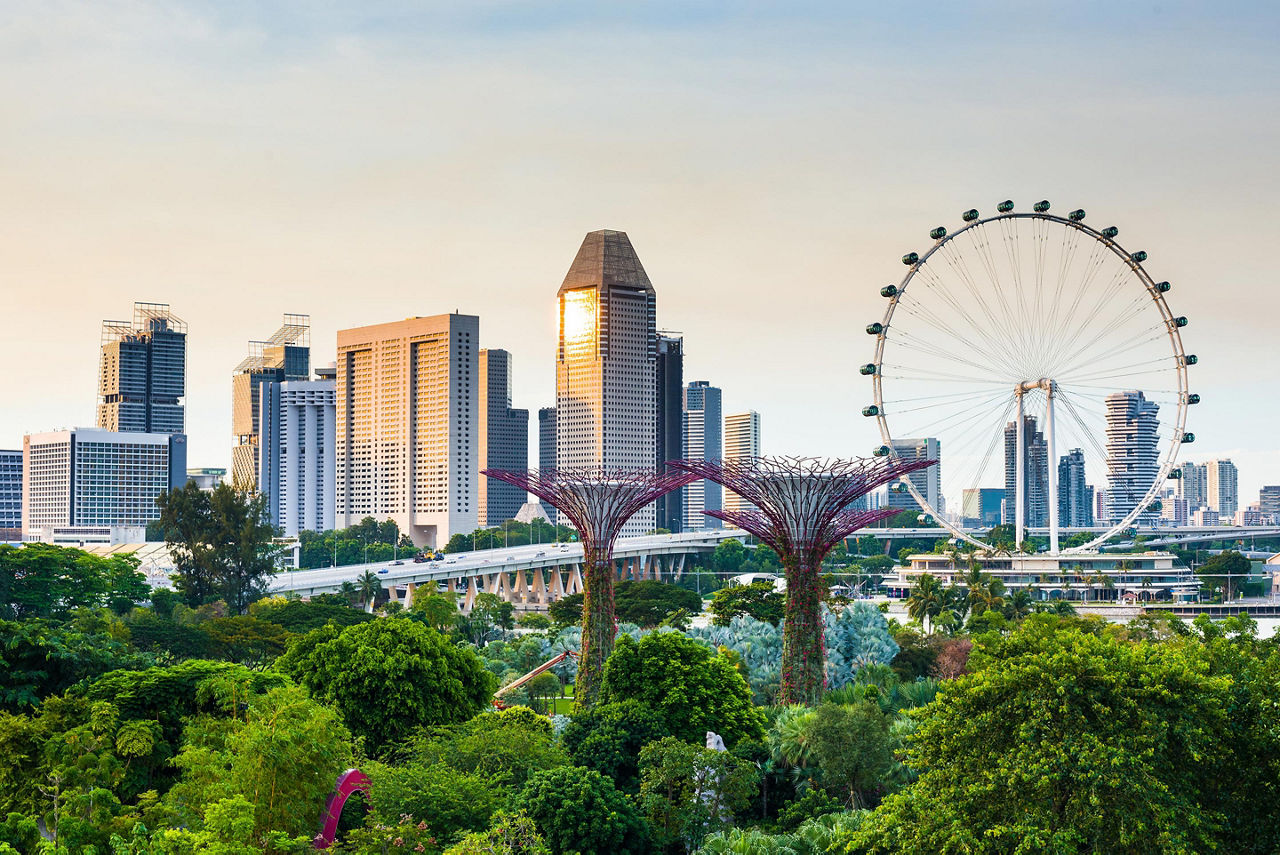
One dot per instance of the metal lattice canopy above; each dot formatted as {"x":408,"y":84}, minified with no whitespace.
{"x":803,"y":506}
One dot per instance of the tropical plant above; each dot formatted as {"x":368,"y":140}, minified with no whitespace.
{"x":927,"y":600}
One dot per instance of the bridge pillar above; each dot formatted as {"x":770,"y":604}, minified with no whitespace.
{"x":408,"y":595}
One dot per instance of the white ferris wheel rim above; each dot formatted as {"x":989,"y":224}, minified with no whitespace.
{"x":1168,"y":461}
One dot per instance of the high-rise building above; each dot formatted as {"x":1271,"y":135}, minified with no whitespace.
{"x":1035,"y":495}
{"x":94,"y":485}
{"x":298,"y":449}
{"x":407,"y":426}
{"x":1174,"y":510}
{"x":981,"y":506}
{"x":1193,"y":486}
{"x":1222,"y":492}
{"x":670,"y":416}
{"x":606,"y":397}
{"x":547,"y":449}
{"x":741,"y":441}
{"x":206,"y":477}
{"x":704,"y":440}
{"x":1133,"y":453}
{"x":143,"y":373}
{"x":927,"y":481}
{"x":1269,"y":502}
{"x":503,"y":439}
{"x":1075,"y":497}
{"x":10,"y":495}
{"x":286,"y":355}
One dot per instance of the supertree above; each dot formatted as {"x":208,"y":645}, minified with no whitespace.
{"x":802,"y":507}
{"x":597,"y":503}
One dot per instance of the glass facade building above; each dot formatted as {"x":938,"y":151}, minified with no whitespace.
{"x":142,"y":376}
{"x":503,"y":441}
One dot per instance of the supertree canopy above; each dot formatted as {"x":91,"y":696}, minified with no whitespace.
{"x":802,"y":507}
{"x":597,"y":503}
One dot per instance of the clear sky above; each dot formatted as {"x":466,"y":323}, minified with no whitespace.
{"x":363,"y":162}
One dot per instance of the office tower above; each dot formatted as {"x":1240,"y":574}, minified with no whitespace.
{"x":547,"y":449}
{"x":1269,"y":502}
{"x":704,"y":440}
{"x":143,"y":373}
{"x":503,"y":441}
{"x":1075,"y":497}
{"x":927,"y":481}
{"x":1223,"y":495}
{"x":741,"y":441}
{"x":670,"y":415}
{"x":1193,"y":485}
{"x":407,"y":426}
{"x":10,"y":495}
{"x":207,"y":478}
{"x":284,"y":356}
{"x":298,"y":448}
{"x":1035,"y":496}
{"x":606,"y":400}
{"x":982,"y":506}
{"x":1133,"y":453}
{"x":90,"y":484}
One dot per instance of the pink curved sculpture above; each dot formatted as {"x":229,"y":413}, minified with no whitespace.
{"x":350,"y":781}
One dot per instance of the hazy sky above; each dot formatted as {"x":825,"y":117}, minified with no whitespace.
{"x":363,"y":162}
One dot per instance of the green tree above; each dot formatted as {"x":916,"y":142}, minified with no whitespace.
{"x":439,"y":610}
{"x":729,"y":556}
{"x":688,"y":791}
{"x":247,"y":640}
{"x":299,"y":616}
{"x":693,"y":688}
{"x":510,"y":834}
{"x":39,"y":658}
{"x":369,"y":586}
{"x":566,"y":611}
{"x":40,"y":580}
{"x":853,"y":749}
{"x":927,"y":600}
{"x":579,"y":810}
{"x":388,"y":677}
{"x":647,"y":603}
{"x":451,"y":802}
{"x":1224,"y":571}
{"x":758,"y":601}
{"x":608,"y":738}
{"x":503,"y":748}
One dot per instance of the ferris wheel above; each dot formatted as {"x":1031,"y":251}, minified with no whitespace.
{"x":1017,"y":339}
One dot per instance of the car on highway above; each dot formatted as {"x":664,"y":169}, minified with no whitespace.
{"x":384,"y":570}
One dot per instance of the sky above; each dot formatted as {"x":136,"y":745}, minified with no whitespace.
{"x":365,"y":162}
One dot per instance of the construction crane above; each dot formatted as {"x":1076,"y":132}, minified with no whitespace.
{"x":520,"y":681}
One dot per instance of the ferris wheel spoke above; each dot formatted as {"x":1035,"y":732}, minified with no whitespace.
{"x":1117,"y":351}
{"x":984,"y":334}
{"x":993,"y":331}
{"x":1090,"y":436}
{"x":897,"y":372}
{"x":957,"y":420}
{"x":907,"y":341}
{"x":983,"y":245}
{"x":1113,"y":288}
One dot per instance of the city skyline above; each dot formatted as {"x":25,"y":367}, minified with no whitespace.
{"x":197,"y":193}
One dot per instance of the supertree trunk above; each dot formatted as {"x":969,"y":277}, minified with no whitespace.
{"x":803,"y":645}
{"x":599,"y":624}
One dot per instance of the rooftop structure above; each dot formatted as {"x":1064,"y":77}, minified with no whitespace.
{"x":143,"y":372}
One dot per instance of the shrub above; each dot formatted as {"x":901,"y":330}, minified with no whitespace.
{"x":578,"y":810}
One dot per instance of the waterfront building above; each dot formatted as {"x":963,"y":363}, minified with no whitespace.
{"x":1035,"y":495}
{"x":286,"y":355}
{"x":93,"y":485}
{"x":142,"y":375}
{"x":503,"y":440}
{"x":547,"y":450}
{"x":928,"y":481}
{"x":669,"y":384}
{"x":606,"y":384}
{"x":1221,"y":487}
{"x":10,"y":495}
{"x":741,"y":441}
{"x":1133,"y":453}
{"x":981,"y":507}
{"x":1075,"y":497}
{"x":406,"y":426}
{"x":704,"y":440}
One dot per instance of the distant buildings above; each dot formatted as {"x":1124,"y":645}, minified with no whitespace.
{"x":547,"y":449}
{"x":503,"y":441}
{"x":1035,"y":495}
{"x":90,"y":485}
{"x":299,"y":445}
{"x":926,"y":481}
{"x":206,"y":477}
{"x":142,"y":376}
{"x":407,"y":426}
{"x":1193,"y":486}
{"x":1221,"y":488}
{"x":1269,"y":502}
{"x":981,"y":506}
{"x":1133,"y":453}
{"x":741,"y":441}
{"x":669,"y":413}
{"x":1174,"y":510}
{"x":1075,"y":497}
{"x":606,"y":384}
{"x":286,"y":355}
{"x":10,"y":495}
{"x":704,"y":440}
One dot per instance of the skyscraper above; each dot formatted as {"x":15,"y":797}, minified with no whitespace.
{"x":704,"y":440}
{"x":670,"y":415}
{"x":547,"y":449}
{"x":10,"y":495}
{"x":1075,"y":497}
{"x":927,"y":481}
{"x":1133,"y":454}
{"x":406,"y":426}
{"x":503,"y":439}
{"x":1035,"y":496}
{"x":741,"y":441}
{"x":1222,"y":492}
{"x":1193,"y":485}
{"x":981,"y":506}
{"x":286,"y":355}
{"x":298,"y":449}
{"x":1268,"y":502}
{"x":606,"y":396}
{"x":143,"y":373}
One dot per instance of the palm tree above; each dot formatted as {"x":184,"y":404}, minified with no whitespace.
{"x":1019,"y":603}
{"x":348,"y":591}
{"x":369,"y":586}
{"x":927,"y":600}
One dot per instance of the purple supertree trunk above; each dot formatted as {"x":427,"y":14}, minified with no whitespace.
{"x":802,"y":507}
{"x":597,"y":503}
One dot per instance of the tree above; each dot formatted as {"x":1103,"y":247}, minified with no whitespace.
{"x":688,"y":791}
{"x":691,"y":687}
{"x":1222,"y":571}
{"x":648,"y":603}
{"x":608,"y":738}
{"x":854,"y":750}
{"x":510,"y":834}
{"x":566,"y":611}
{"x":247,"y":640}
{"x":39,"y":658}
{"x":927,"y":600}
{"x":439,"y":610}
{"x":299,"y":616}
{"x":451,"y":802}
{"x":369,"y":586}
{"x":503,"y":748}
{"x":42,"y":580}
{"x":389,"y":676}
{"x":728,"y":556}
{"x":579,"y":810}
{"x":759,"y":601}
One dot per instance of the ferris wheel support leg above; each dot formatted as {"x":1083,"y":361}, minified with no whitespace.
{"x":1053,"y":470}
{"x":1019,"y":477}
